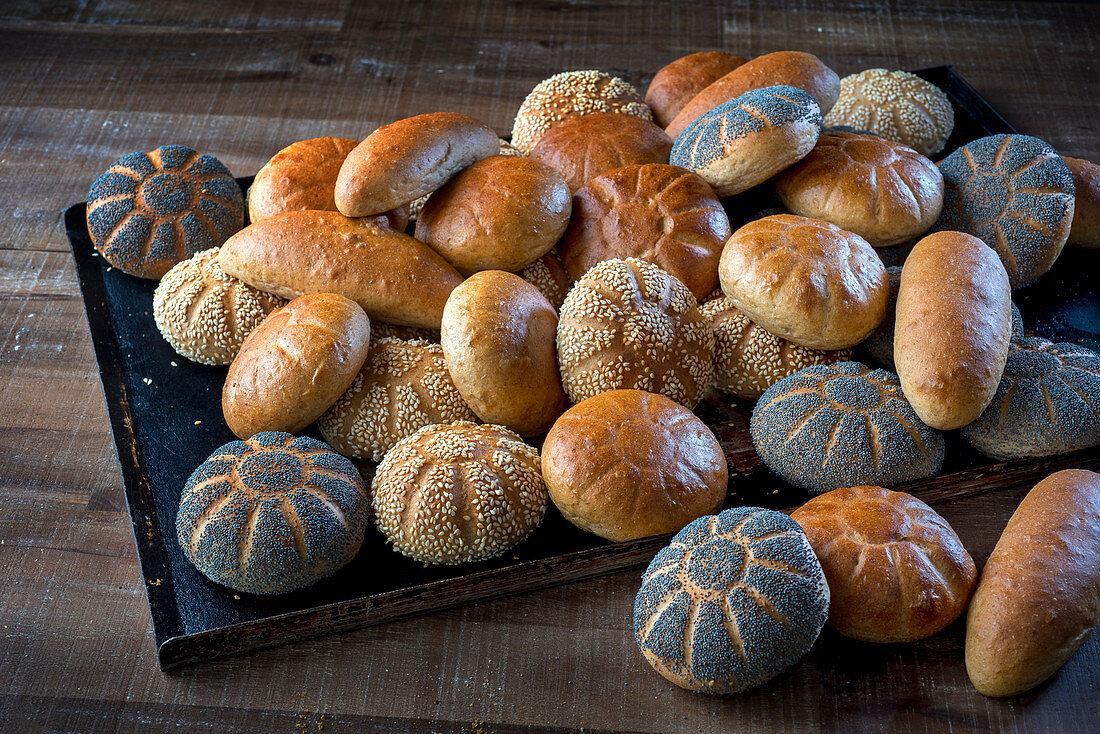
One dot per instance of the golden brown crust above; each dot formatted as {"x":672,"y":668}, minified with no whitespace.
{"x":300,"y":176}
{"x":883,"y":191}
{"x":1085,"y":230}
{"x":498,"y":337}
{"x":404,"y":160}
{"x":395,"y":278}
{"x":295,"y":365}
{"x":662,"y":214}
{"x":897,"y":572}
{"x":676,"y":83}
{"x":1039,"y":595}
{"x":792,"y":68}
{"x":585,"y":146}
{"x":952,"y":329}
{"x":629,"y":464}
{"x":805,"y":280}
{"x":501,"y":213}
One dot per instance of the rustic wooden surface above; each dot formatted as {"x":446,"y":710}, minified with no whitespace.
{"x":83,"y":82}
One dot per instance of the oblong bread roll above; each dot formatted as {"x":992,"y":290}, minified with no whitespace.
{"x":952,"y":329}
{"x":1039,"y":594}
{"x":395,"y":278}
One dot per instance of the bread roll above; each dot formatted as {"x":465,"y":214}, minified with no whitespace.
{"x":395,"y":278}
{"x":458,"y":492}
{"x":402,"y":387}
{"x":301,"y":176}
{"x":843,"y":425}
{"x":784,"y":68}
{"x":732,"y":602}
{"x":1015,"y":194}
{"x":897,"y":572}
{"x":677,"y":83}
{"x":628,"y":464}
{"x":805,"y":280}
{"x":295,"y":365}
{"x":404,"y":160}
{"x":629,"y":324}
{"x":150,"y":211}
{"x":656,"y":212}
{"x":272,"y":514}
{"x":897,"y":105}
{"x":748,"y":359}
{"x":883,"y":191}
{"x":498,"y":338}
{"x":952,"y":329}
{"x":1039,"y":594}
{"x":583,"y":147}
{"x":749,"y":139}
{"x":501,"y":213}
{"x":1085,"y":229}
{"x":204,"y":313}
{"x":569,"y":94}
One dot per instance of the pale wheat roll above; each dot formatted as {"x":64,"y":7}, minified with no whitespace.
{"x":498,"y":338}
{"x":952,"y":329}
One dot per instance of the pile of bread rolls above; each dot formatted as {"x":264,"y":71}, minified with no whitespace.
{"x":580,"y":290}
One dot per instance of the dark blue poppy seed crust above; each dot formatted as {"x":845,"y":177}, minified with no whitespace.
{"x":843,"y":425}
{"x":1047,"y":403}
{"x":731,"y":602}
{"x":707,"y":139}
{"x":1016,"y":194}
{"x":272,"y":514}
{"x":150,"y":211}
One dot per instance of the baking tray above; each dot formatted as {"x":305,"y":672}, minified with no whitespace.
{"x":165,"y":413}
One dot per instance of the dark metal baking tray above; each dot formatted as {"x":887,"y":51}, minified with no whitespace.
{"x":165,"y":412}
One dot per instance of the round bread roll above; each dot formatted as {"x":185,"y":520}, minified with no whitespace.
{"x":416,"y":205}
{"x":952,"y":328}
{"x":501,"y":213}
{"x":458,"y":492}
{"x":150,"y":211}
{"x":573,"y":93}
{"x":498,"y":339}
{"x":299,"y":177}
{"x":628,"y":464}
{"x":1039,"y":595}
{"x":294,"y":365}
{"x":677,"y":83}
{"x":655,"y":212}
{"x":897,"y":105}
{"x":805,"y":280}
{"x":205,"y":314}
{"x":1047,"y":403}
{"x":629,"y":324}
{"x":843,"y":425}
{"x":583,"y":147}
{"x":1085,"y":229}
{"x":1015,"y":194}
{"x":549,"y":276}
{"x":784,"y":68}
{"x":749,"y":139}
{"x":395,"y":278}
{"x":749,"y":359}
{"x":883,"y":191}
{"x":407,"y":159}
{"x":897,"y":572}
{"x":732,"y":602}
{"x":402,"y":387}
{"x":272,"y":514}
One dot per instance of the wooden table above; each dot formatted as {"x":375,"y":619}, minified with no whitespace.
{"x":83,"y":82}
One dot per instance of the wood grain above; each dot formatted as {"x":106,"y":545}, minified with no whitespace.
{"x":83,"y":82}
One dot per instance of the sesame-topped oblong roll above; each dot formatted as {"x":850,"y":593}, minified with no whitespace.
{"x":748,"y":140}
{"x":952,"y":329}
{"x":407,"y":159}
{"x":395,"y":278}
